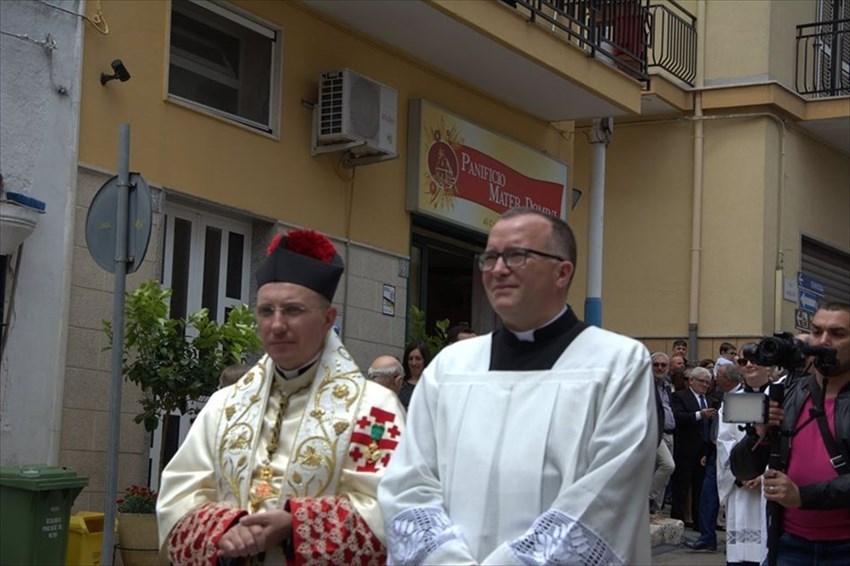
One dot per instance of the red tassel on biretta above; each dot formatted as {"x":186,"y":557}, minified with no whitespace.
{"x":310,"y":243}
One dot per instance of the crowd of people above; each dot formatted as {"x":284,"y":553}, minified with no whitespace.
{"x":707,"y":459}
{"x":537,"y":443}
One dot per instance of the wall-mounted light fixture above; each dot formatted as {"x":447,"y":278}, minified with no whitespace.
{"x":120,"y":72}
{"x":576,"y":196}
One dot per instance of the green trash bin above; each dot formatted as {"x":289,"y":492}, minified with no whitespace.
{"x":34,"y":514}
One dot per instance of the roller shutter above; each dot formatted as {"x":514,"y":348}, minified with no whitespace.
{"x":829,"y":265}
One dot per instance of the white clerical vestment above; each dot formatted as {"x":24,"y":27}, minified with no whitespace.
{"x":526,"y":467}
{"x":337,"y":434}
{"x":746,"y":519}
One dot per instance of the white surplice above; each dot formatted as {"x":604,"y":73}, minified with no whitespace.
{"x":746,"y":521}
{"x":526,"y":467}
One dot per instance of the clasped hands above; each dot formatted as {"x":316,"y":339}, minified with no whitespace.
{"x":255,"y":534}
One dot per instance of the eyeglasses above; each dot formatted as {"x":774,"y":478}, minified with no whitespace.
{"x":513,"y":257}
{"x":289,"y":312}
{"x":743,"y":362}
{"x":659,"y":365}
{"x":381,"y":373}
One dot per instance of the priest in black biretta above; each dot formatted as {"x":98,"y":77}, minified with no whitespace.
{"x":303,"y":257}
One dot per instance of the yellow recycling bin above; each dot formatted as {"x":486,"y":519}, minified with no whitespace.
{"x":85,"y":539}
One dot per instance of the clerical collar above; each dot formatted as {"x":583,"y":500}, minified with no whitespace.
{"x":761,"y":389}
{"x":529,"y":335}
{"x":293,"y":373}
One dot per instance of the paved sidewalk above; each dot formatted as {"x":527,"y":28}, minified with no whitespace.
{"x":667,"y":554}
{"x":684,"y":556}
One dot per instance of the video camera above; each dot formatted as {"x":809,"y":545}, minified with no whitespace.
{"x":782,"y":350}
{"x":785,"y":351}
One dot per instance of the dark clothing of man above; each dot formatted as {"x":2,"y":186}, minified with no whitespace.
{"x":692,"y":442}
{"x":510,"y":353}
{"x":747,"y":462}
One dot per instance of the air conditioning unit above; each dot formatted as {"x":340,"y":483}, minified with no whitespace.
{"x":357,"y":114}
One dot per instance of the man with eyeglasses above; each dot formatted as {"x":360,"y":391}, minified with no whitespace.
{"x":529,"y":444}
{"x":664,"y":463}
{"x":284,"y":465}
{"x":691,"y":407}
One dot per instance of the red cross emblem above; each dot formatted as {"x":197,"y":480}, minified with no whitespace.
{"x":374,"y":440}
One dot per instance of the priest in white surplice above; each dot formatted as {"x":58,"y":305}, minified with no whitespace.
{"x":534,"y":444}
{"x":746,"y":518}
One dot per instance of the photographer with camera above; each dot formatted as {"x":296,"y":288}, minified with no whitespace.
{"x":808,"y":482}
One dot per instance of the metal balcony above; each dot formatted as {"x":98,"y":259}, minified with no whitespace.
{"x":823,"y":58}
{"x":635,"y":36}
{"x":673,"y":41}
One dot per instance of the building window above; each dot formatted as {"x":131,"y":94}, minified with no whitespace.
{"x":224,"y":62}
{"x":206,"y":263}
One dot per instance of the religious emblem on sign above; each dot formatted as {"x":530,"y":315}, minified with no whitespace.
{"x":443,"y":166}
{"x":374,"y":439}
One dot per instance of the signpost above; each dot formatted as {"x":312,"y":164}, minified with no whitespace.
{"x":808,"y":283}
{"x":807,"y":301}
{"x":118,"y":229}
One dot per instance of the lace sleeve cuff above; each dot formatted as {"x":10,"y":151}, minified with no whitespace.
{"x":557,"y":538}
{"x":415,"y":533}
{"x":194,"y":539}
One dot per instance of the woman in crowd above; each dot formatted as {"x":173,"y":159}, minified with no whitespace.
{"x":416,"y":357}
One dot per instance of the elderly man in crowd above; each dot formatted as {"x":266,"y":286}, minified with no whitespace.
{"x":664,"y":464}
{"x":387,"y":371}
{"x":692,"y":443}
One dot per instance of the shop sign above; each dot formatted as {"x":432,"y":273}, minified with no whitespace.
{"x":464,"y":174}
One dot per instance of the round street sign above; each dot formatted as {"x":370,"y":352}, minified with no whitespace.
{"x":102,"y":219}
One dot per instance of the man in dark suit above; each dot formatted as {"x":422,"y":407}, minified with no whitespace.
{"x":693,"y":412}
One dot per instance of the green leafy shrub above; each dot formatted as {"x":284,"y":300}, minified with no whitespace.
{"x":176,"y":361}
{"x":417,"y":331}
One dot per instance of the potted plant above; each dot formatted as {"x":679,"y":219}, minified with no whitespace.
{"x":137,"y":532}
{"x":177,"y":361}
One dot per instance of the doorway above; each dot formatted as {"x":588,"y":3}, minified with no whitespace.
{"x":444,"y":280}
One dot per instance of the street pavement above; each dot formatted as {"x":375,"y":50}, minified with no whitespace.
{"x":681,"y":555}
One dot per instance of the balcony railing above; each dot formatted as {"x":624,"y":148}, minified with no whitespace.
{"x":673,"y":41}
{"x":823,"y":58}
{"x":632,"y":35}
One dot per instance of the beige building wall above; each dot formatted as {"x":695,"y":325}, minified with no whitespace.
{"x":647,"y":213}
{"x":736,"y":40}
{"x":745,"y":225}
{"x":185,"y":150}
{"x":785,"y":16}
